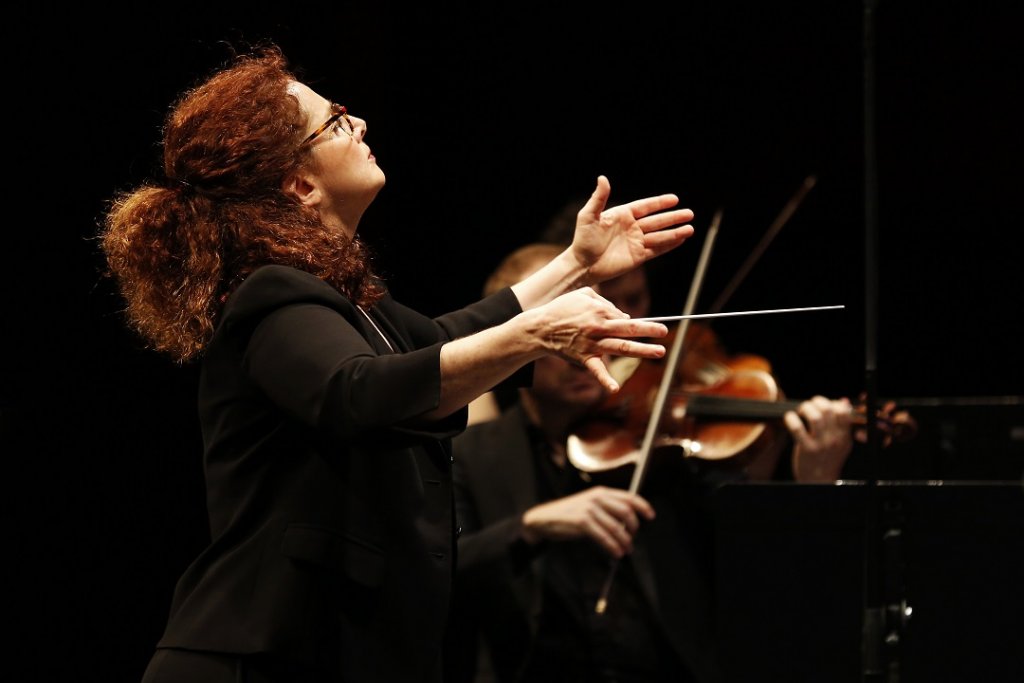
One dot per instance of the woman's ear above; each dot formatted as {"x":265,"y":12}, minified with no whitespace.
{"x":303,"y":187}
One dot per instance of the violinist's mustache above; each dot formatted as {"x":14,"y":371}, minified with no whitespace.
{"x":727,"y":314}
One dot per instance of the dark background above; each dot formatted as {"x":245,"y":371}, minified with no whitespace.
{"x":486,"y":122}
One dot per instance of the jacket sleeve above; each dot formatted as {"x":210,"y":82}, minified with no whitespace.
{"x":313,"y":363}
{"x":487,"y":312}
{"x":302,"y":345}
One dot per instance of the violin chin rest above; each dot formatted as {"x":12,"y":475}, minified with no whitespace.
{"x":599,"y":455}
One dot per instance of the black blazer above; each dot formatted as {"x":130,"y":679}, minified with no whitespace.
{"x":500,"y":581}
{"x":330,"y":504}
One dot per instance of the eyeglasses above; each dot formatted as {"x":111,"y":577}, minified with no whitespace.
{"x":339,"y":116}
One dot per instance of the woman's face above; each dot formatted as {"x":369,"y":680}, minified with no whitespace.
{"x":343,"y":166}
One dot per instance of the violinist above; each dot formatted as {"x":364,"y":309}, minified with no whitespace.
{"x":537,"y":535}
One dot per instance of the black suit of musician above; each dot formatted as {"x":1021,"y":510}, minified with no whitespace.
{"x":533,"y":604}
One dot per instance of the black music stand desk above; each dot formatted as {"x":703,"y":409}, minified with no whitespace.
{"x":790,"y":573}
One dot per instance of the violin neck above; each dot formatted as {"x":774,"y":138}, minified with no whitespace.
{"x":727,"y":408}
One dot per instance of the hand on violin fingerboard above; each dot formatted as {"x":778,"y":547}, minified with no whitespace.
{"x":822,"y":438}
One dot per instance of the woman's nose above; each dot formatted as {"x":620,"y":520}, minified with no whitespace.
{"x":358,"y":126}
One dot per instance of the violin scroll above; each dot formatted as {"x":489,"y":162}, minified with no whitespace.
{"x":895,"y":425}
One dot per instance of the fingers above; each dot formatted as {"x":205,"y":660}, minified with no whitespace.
{"x":815,"y":414}
{"x":809,"y":420}
{"x":630,"y":348}
{"x":644,"y":207}
{"x":657,"y":243}
{"x":658,"y":228}
{"x":822,"y":438}
{"x":637,"y":505}
{"x":598,"y":369}
{"x":663,"y":232}
{"x":649,"y":213}
{"x":598,"y":199}
{"x":582,"y":327}
{"x":796,"y":428}
{"x":823,"y":414}
{"x":619,"y":347}
{"x":628,"y":327}
{"x":660,"y":221}
{"x":611,"y":534}
{"x":615,"y":519}
{"x":608,"y":516}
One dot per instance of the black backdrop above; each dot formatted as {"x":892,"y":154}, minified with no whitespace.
{"x":486,"y":122}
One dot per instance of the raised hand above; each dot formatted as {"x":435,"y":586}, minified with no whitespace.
{"x":611,"y":241}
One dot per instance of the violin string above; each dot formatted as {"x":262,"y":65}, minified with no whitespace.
{"x":728,"y":314}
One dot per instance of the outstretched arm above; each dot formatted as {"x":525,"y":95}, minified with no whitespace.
{"x":579,"y":326}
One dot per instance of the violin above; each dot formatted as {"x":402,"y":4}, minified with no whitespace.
{"x":720,"y":408}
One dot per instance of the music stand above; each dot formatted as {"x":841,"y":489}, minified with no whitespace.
{"x":790,"y":577}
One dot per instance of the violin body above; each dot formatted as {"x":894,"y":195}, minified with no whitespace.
{"x":611,"y":436}
{"x":701,"y":422}
{"x":720,"y":408}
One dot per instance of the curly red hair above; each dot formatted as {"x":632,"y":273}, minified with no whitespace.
{"x":177,"y":250}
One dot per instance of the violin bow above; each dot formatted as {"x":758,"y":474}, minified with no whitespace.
{"x":787,"y":212}
{"x":663,"y":391}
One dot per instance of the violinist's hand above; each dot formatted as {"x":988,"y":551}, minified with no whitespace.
{"x":610,"y":242}
{"x":608,"y":516}
{"x":584,"y":328}
{"x":823,"y":438}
